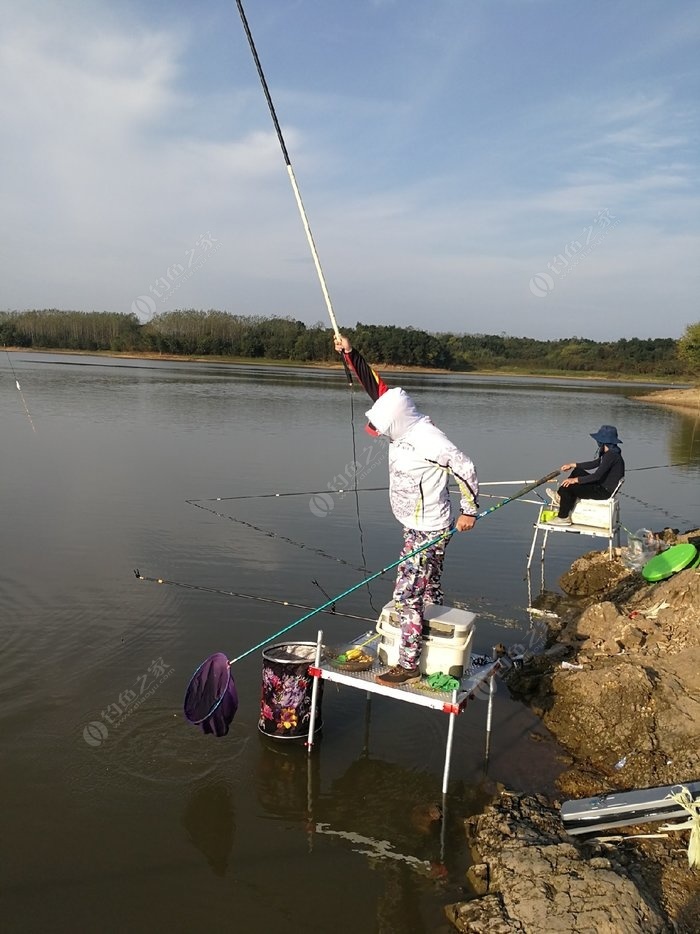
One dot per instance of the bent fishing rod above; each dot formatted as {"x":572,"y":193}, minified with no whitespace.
{"x":442,"y":537}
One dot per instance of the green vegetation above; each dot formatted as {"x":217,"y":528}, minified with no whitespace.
{"x":689,"y":348}
{"x":216,"y":333}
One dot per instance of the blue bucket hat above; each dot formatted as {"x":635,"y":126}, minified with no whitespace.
{"x":606,"y":434}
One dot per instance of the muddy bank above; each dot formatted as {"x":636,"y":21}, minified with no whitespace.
{"x":628,"y":713}
{"x":686,"y":399}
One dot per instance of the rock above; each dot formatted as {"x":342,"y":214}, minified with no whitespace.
{"x":597,"y":622}
{"x":593,"y":573}
{"x":541,"y":881}
{"x":556,"y":651}
{"x":482,"y":917}
{"x":478,"y":878}
{"x":631,"y":637}
{"x":629,"y":719}
{"x":595,"y":713}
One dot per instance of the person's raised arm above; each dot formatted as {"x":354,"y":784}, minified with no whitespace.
{"x":371,"y":382}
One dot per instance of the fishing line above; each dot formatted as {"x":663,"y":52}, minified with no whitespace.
{"x":661,"y":466}
{"x":361,"y":569}
{"x":654,"y":508}
{"x":245,"y":596}
{"x":211,"y":699}
{"x":394,"y":564}
{"x":283,"y":538}
{"x":19,"y":390}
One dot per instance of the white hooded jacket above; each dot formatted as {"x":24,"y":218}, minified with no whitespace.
{"x":421,"y":459}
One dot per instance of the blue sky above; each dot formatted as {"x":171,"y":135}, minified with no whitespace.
{"x":527,"y":167}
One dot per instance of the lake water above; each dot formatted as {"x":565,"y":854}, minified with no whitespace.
{"x":143,"y":823}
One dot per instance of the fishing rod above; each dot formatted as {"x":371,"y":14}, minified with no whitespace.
{"x":367,"y":489}
{"x":244,"y":596}
{"x":290,"y":172}
{"x":211,"y":699}
{"x":223,"y":499}
{"x":442,"y":537}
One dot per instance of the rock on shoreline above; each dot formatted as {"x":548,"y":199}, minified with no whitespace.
{"x":630,"y":718}
{"x":538,"y":879}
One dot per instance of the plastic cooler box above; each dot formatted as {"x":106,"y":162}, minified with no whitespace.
{"x":596,"y":513}
{"x":447,"y":639}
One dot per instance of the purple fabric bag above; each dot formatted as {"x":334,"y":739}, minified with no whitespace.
{"x":211,"y":700}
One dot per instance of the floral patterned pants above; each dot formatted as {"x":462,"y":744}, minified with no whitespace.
{"x":418,"y":584}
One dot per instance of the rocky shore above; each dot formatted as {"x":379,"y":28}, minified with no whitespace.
{"x":626,"y":707}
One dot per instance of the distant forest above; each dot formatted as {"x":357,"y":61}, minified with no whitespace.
{"x":217,"y":333}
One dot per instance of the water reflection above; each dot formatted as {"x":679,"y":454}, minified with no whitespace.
{"x":210,"y":822}
{"x":394,"y":809}
{"x":684,"y":441}
{"x":287,"y":779}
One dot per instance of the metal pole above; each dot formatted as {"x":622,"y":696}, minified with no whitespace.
{"x":314,"y":693}
{"x":448,"y":745}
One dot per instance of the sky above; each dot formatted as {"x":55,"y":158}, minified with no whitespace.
{"x":519,"y":167}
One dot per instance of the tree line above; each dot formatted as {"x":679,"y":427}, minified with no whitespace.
{"x":191,"y":332}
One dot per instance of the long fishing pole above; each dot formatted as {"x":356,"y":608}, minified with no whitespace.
{"x":367,"y":489}
{"x":442,"y":537}
{"x":243,"y":596}
{"x":290,"y":170}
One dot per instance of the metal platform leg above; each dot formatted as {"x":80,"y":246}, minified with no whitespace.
{"x":532,"y":548}
{"x":448,"y":745}
{"x":489,"y":715}
{"x":314,"y":693}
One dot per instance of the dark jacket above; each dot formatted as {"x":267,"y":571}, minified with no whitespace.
{"x":608,"y":469}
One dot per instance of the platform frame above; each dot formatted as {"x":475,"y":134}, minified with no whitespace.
{"x":609,"y":531}
{"x":452,"y":704}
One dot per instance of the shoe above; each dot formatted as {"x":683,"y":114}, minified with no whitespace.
{"x":554,"y":496}
{"x":398,"y":675}
{"x":560,"y":520}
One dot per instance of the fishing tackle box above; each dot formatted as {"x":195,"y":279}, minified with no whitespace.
{"x":447,"y":639}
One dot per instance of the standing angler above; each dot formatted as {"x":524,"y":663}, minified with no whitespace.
{"x":421,"y":461}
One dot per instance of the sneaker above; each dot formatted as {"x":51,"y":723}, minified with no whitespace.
{"x":398,"y":675}
{"x":554,"y":496}
{"x":560,"y":520}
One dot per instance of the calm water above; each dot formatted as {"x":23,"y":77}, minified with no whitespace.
{"x":153,"y":826}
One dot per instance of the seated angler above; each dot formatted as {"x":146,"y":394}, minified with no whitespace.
{"x":606,"y":471}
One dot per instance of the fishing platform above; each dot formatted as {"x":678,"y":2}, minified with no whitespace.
{"x":589,"y":517}
{"x":448,"y":639}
